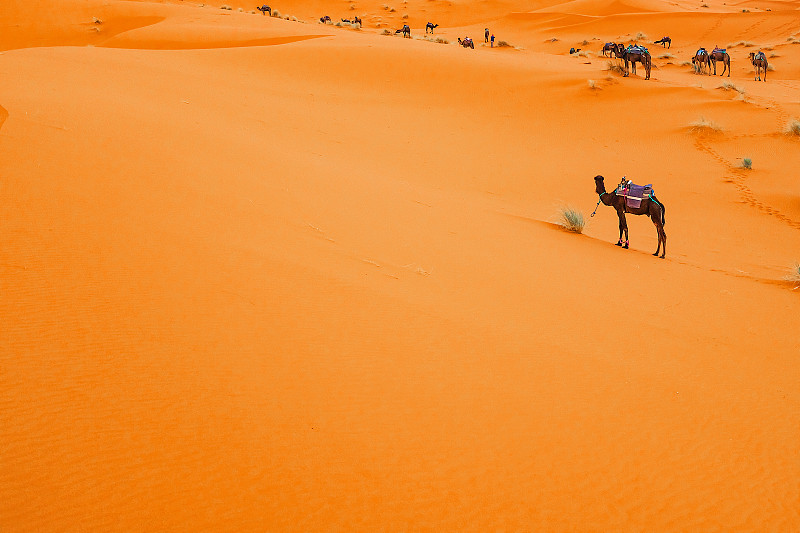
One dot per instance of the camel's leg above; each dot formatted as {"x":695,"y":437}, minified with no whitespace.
{"x":623,"y":229}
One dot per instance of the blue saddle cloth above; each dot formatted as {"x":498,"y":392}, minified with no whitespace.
{"x":701,"y":52}
{"x":721,"y":50}
{"x":637,"y":49}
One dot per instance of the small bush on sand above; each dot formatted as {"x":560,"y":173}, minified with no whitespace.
{"x":728,"y":86}
{"x":703,"y":125}
{"x":276,"y":13}
{"x":793,"y":128}
{"x":503,"y":44}
{"x":794,"y":274}
{"x":666,"y":56}
{"x":442,"y":41}
{"x":773,"y":56}
{"x":386,"y":32}
{"x":585,"y":43}
{"x":229,"y":8}
{"x":615,"y":69}
{"x":747,"y":163}
{"x":593,"y":85}
{"x":571,"y":220}
{"x":771,"y":68}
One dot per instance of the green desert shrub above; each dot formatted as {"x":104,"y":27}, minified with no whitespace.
{"x":571,"y":219}
{"x":747,"y":163}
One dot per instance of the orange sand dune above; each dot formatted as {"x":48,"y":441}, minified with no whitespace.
{"x":271,"y":275}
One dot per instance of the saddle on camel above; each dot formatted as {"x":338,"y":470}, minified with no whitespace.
{"x":466,"y":42}
{"x":629,"y":198}
{"x":759,"y":61}
{"x":265,"y":9}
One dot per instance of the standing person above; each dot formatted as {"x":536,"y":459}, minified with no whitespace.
{"x":493,"y":40}
{"x":486,"y":35}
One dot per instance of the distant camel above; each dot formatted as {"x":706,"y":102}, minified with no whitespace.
{"x":664,"y":41}
{"x":759,"y":60}
{"x":265,"y":9}
{"x":609,"y":47}
{"x":355,"y":20}
{"x":719,"y":54}
{"x":324,"y":20}
{"x":702,"y":61}
{"x":650,"y":206}
{"x":466,"y":43}
{"x":633,"y":54}
{"x":574,"y":50}
{"x":405,"y":30}
{"x":430,"y":26}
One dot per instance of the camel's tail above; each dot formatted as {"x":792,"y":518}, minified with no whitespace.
{"x":663,"y":210}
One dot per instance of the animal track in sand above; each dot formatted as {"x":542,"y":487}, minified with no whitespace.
{"x":737,"y":176}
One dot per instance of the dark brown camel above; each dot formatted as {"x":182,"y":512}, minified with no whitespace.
{"x":466,"y":42}
{"x":265,"y":9}
{"x":701,"y":61}
{"x":430,"y":26}
{"x":759,"y":60}
{"x":325,"y":20}
{"x":664,"y":41}
{"x":632,"y":55}
{"x":405,"y":30}
{"x":720,"y":55}
{"x":649,"y":206}
{"x":609,"y":47}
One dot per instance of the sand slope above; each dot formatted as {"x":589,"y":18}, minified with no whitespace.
{"x":260,"y":274}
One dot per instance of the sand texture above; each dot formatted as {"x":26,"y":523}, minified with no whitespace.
{"x":265,"y":274}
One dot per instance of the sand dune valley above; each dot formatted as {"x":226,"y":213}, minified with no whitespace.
{"x":262,"y":273}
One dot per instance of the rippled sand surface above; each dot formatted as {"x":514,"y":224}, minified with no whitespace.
{"x":260,"y":274}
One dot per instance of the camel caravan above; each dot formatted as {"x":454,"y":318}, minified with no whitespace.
{"x":631,"y":54}
{"x":703,"y":61}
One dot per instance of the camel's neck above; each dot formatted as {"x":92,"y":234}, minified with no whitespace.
{"x":607,"y":198}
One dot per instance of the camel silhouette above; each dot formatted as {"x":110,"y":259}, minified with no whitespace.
{"x":405,"y":30}
{"x":664,"y":41}
{"x":759,"y":60}
{"x":650,"y":207}
{"x":633,"y":54}
{"x":466,"y":42}
{"x":324,"y":20}
{"x":702,"y":61}
{"x":609,"y":47}
{"x":430,"y":26}
{"x":265,"y":9}
{"x":720,"y":55}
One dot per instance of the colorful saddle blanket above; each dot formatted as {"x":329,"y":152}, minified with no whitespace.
{"x":702,"y":52}
{"x":634,"y":194}
{"x":721,"y":50}
{"x":637,"y":49}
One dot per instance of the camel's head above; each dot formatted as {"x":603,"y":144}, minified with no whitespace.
{"x":600,"y":187}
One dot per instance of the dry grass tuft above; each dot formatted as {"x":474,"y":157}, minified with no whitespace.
{"x":615,"y":69}
{"x":387,"y":32}
{"x":666,"y":56}
{"x":703,"y":125}
{"x":641,"y":36}
{"x":571,"y":219}
{"x":441,"y":41}
{"x":503,"y":44}
{"x":794,"y":273}
{"x":747,"y":163}
{"x":593,"y":85}
{"x":229,"y":8}
{"x":729,"y":86}
{"x":793,"y":128}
